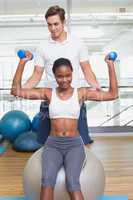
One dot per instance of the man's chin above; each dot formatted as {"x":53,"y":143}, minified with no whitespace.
{"x":55,"y":36}
{"x":65,"y":86}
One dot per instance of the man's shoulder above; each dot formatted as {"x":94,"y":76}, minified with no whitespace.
{"x":44,"y":43}
{"x":42,"y":46}
{"x":75,"y":38}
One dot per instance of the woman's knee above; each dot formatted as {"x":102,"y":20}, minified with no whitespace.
{"x":49,"y":177}
{"x":48,"y":181}
{"x":72,"y":183}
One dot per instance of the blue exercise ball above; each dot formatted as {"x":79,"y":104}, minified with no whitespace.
{"x":35,"y":122}
{"x":26,"y":142}
{"x":13,"y":123}
{"x":112,"y":55}
{"x":1,"y":138}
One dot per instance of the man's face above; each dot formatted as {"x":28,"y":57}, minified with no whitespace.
{"x":55,"y":26}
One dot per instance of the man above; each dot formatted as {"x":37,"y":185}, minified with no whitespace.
{"x":61,"y":44}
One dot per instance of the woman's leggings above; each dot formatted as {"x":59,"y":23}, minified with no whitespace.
{"x":63,"y":151}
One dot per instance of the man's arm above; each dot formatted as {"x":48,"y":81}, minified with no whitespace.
{"x":89,"y":75}
{"x":111,"y":94}
{"x":35,"y":77}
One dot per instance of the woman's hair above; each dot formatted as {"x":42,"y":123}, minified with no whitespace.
{"x":61,"y":62}
{"x":55,"y":10}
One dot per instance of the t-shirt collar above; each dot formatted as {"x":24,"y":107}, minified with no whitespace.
{"x":65,"y":41}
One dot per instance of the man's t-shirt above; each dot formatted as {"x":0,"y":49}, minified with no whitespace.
{"x":72,"y":48}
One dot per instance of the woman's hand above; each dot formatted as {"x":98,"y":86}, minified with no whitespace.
{"x":28,"y":56}
{"x":108,"y":61}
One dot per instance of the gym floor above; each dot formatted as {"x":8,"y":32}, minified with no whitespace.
{"x":116,"y":154}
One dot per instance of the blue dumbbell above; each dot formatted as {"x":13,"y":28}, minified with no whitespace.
{"x":112,"y":55}
{"x":21,"y":54}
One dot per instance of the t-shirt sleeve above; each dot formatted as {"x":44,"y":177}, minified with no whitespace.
{"x":83,"y":52}
{"x":39,"y":58}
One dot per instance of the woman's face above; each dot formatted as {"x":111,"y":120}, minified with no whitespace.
{"x":63,"y":76}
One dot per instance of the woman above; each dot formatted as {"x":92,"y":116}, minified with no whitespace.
{"x":64,"y":145}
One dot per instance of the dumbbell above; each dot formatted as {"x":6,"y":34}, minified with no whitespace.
{"x":21,"y":54}
{"x":112,"y":55}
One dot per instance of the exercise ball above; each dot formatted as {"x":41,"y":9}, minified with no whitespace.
{"x":26,"y":142}
{"x":35,"y":122}
{"x":1,"y":138}
{"x":13,"y":123}
{"x":92,"y":178}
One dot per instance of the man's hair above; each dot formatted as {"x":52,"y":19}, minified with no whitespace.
{"x":55,"y":10}
{"x":61,"y":62}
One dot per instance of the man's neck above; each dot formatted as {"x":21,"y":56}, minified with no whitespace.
{"x":61,"y":38}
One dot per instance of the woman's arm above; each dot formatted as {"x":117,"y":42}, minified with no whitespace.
{"x":111,"y":94}
{"x":17,"y":90}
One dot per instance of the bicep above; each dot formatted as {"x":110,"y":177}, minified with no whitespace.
{"x":91,"y":94}
{"x":35,"y":93}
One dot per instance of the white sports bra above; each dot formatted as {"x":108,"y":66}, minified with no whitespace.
{"x":69,"y":108}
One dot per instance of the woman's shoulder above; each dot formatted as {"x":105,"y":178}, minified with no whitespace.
{"x":83,"y":92}
{"x":48,"y":93}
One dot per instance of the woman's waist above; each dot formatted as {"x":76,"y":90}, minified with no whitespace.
{"x":64,"y":142}
{"x":64,"y":133}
